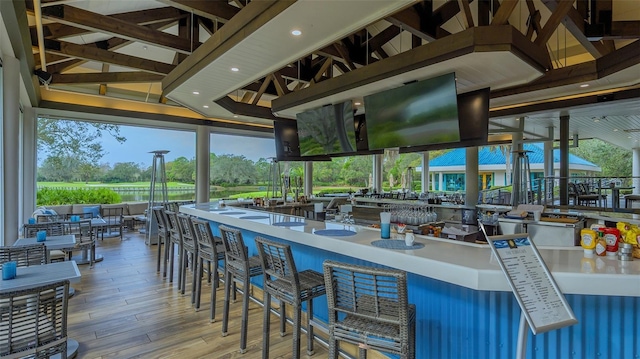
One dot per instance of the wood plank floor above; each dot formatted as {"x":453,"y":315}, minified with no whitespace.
{"x":124,"y":309}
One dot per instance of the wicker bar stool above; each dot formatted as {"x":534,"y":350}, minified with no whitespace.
{"x":175,"y":239}
{"x":163,"y":236}
{"x":238,"y":267}
{"x":284,"y":282}
{"x":211,"y":250}
{"x":368,"y":307}
{"x":189,"y":250}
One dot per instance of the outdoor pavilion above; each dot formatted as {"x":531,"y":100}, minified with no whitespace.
{"x":556,"y":70}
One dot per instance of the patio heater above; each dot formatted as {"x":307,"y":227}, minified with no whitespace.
{"x":409,"y":179}
{"x":521,"y":185}
{"x":275,"y":185}
{"x":157,"y":196}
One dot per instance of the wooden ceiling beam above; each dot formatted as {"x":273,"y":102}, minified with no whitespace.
{"x":328,"y":62}
{"x":552,"y":23}
{"x":623,"y":30}
{"x":209,"y":9}
{"x":466,"y":11}
{"x":344,"y":54}
{"x":534,"y":20}
{"x":106,"y":78}
{"x":383,"y":37}
{"x":92,"y":53}
{"x":141,"y":17}
{"x":504,"y":12}
{"x":91,"y":21}
{"x":281,"y":86}
{"x":575,"y":25}
{"x":411,"y":19}
{"x":262,"y":89}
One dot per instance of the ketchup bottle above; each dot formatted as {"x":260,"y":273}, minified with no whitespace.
{"x":612,"y":238}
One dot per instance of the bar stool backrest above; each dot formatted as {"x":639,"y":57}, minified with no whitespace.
{"x":29,"y":255}
{"x":174,"y":229}
{"x":278,"y":265}
{"x":187,"y":232}
{"x":367,"y":292}
{"x":34,"y":321}
{"x":235,"y":251}
{"x":161,"y":218}
{"x":205,"y":238}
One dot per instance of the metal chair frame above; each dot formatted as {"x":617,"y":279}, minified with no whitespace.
{"x":24,"y":256}
{"x":283,"y":282}
{"x":189,"y":250}
{"x":211,"y":250}
{"x":33,"y":322}
{"x":368,"y":307}
{"x":239,"y":267}
{"x":175,"y":239}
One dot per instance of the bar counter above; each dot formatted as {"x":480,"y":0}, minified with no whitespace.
{"x":464,"y":304}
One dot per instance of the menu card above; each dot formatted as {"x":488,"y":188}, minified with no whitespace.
{"x":535,"y":289}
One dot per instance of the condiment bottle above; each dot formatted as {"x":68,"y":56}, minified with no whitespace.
{"x":588,"y":238}
{"x":601,"y":245}
{"x":612,"y":238}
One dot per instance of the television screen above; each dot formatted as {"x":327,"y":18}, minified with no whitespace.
{"x":419,"y":113}
{"x":327,"y":130}
{"x":473,"y":114}
{"x":287,"y":144}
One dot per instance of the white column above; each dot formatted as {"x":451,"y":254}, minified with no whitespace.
{"x":29,"y":162}
{"x":441,"y":181}
{"x":308,"y":179}
{"x":10,"y":148}
{"x":377,"y":173}
{"x":471,"y":177}
{"x":425,"y":172}
{"x":635,"y":170}
{"x":203,"y":148}
{"x":548,"y":163}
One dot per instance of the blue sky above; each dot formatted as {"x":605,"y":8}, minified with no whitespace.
{"x":140,"y":141}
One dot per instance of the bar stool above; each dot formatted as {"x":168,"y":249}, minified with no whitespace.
{"x":175,"y":239}
{"x":210,"y":249}
{"x":283,"y":282}
{"x":163,"y":235}
{"x":189,"y":250}
{"x":368,"y":307}
{"x":238,"y":267}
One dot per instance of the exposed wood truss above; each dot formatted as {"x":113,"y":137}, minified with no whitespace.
{"x":87,"y":48}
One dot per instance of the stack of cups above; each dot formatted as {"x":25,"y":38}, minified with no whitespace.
{"x":385,"y":225}
{"x":625,"y":252}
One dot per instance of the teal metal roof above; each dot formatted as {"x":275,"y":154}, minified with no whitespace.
{"x":457,"y":157}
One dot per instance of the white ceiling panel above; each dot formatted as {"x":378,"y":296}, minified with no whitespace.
{"x":273,"y":47}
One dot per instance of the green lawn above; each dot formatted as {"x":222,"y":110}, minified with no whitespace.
{"x":109,"y":185}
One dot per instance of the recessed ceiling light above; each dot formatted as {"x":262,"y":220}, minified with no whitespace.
{"x":629,"y":137}
{"x":235,"y":116}
{"x":296,"y":32}
{"x":584,"y":85}
{"x":596,"y":120}
{"x":144,"y":47}
{"x":235,"y":69}
{"x":206,"y":106}
{"x":357,"y":103}
{"x":195,"y":92}
{"x":615,"y":130}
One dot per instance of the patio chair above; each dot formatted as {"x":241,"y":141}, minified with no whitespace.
{"x":29,"y":255}
{"x":33,"y":322}
{"x":114,"y":216}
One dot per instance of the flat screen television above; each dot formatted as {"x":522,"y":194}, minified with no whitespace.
{"x":473,"y":121}
{"x":327,"y":130}
{"x":416,"y":114}
{"x":287,"y":144}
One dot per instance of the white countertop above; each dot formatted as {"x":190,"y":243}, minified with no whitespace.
{"x":466,"y":264}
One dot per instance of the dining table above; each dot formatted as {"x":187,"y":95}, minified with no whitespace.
{"x":67,"y":241}
{"x":33,"y":276}
{"x":100,"y":225}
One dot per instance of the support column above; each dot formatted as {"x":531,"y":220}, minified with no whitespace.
{"x":564,"y":160}
{"x":440,"y":181}
{"x":377,"y":173}
{"x":424,"y":177}
{"x":635,"y":170}
{"x":10,"y":148}
{"x":308,"y":179}
{"x":203,"y":148}
{"x":471,"y":177}
{"x":29,"y":162}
